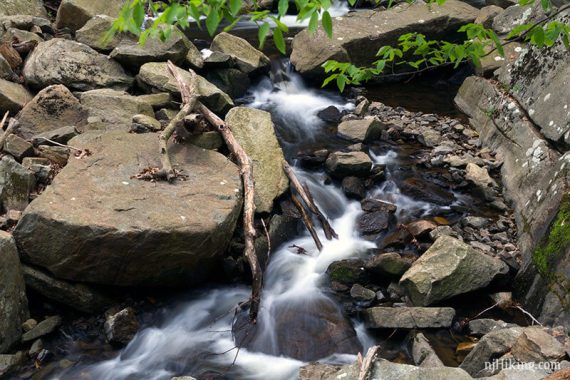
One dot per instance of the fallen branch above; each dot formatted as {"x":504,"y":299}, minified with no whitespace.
{"x":367,"y":362}
{"x":308,"y":222}
{"x":305,"y":194}
{"x":191,"y":103}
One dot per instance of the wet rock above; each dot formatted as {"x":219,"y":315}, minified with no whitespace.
{"x":423,"y":353}
{"x":255,"y":132}
{"x":45,"y":327}
{"x":155,"y":77}
{"x":362,"y":295}
{"x":73,"y":14}
{"x":84,"y":240}
{"x":22,"y":7}
{"x":420,"y":227}
{"x":121,"y":326}
{"x":447,"y":269}
{"x":74,"y":65}
{"x":363,"y":130}
{"x":247,"y":58}
{"x":13,"y":301}
{"x":52,"y":108}
{"x":390,"y":264}
{"x":81,"y":297}
{"x":10,"y":362}
{"x":13,"y":96}
{"x":426,"y":191}
{"x":92,"y":33}
{"x":356,"y":34}
{"x":18,"y":147}
{"x":372,"y":223}
{"x":183,"y":378}
{"x":353,"y":187}
{"x":408,"y":317}
{"x":113,"y":110}
{"x":35,"y":349}
{"x":371,"y":205}
{"x":356,"y":164}
{"x":535,"y":345}
{"x":331,"y":114}
{"x":16,"y":184}
{"x":492,"y":345}
{"x":347,"y":272}
{"x":480,"y":327}
{"x":313,"y":159}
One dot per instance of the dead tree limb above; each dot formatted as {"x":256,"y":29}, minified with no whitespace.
{"x":305,"y":194}
{"x":308,"y":222}
{"x":189,"y":98}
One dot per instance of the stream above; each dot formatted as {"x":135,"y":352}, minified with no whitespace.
{"x":298,"y":315}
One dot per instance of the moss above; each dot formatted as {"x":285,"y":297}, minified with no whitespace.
{"x":547,"y":254}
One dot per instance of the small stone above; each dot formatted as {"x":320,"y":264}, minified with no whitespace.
{"x":442,"y":231}
{"x":9,"y":362}
{"x":420,"y":227}
{"x":56,"y":154}
{"x":41,"y":167}
{"x":331,"y":114}
{"x":145,"y":122}
{"x":121,"y":327}
{"x":480,"y":246}
{"x":65,"y":363}
{"x":211,"y":140}
{"x":389,"y":264}
{"x":360,"y":130}
{"x":37,"y":346}
{"x":362,"y":107}
{"x":18,"y":147}
{"x":423,"y":353}
{"x":341,"y":164}
{"x":29,"y":324}
{"x":45,"y":327}
{"x":353,"y":187}
{"x":475,"y":221}
{"x":361,"y":295}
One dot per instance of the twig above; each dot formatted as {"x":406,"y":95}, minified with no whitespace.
{"x":268,"y":242}
{"x":367,"y":362}
{"x":529,"y":314}
{"x":59,"y":144}
{"x":484,"y":311}
{"x":308,"y":222}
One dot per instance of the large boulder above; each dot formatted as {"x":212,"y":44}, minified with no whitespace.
{"x":447,"y":269}
{"x":13,"y":97}
{"x":97,"y":224}
{"x":154,"y":77}
{"x":93,"y":32}
{"x":113,"y":110}
{"x":74,"y":65}
{"x":22,"y":7}
{"x":73,"y":14}
{"x":357,"y":36}
{"x":13,"y":301}
{"x":52,"y":108}
{"x":247,"y":58}
{"x":408,"y":317}
{"x":254,"y":130}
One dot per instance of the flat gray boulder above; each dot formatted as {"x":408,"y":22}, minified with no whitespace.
{"x":247,"y":58}
{"x":97,"y":224}
{"x":447,"y":269}
{"x":73,"y":14}
{"x":408,"y":317}
{"x":22,"y":7}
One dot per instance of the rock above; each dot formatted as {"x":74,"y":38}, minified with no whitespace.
{"x":430,"y":137}
{"x":443,"y":231}
{"x":45,"y":327}
{"x":359,"y":33}
{"x":5,"y":70}
{"x":371,"y":205}
{"x":233,"y":82}
{"x":340,"y":164}
{"x":423,"y":353}
{"x":487,"y":14}
{"x":35,"y":349}
{"x":13,"y":97}
{"x":74,"y":65}
{"x":480,"y":327}
{"x":22,"y":36}
{"x":373,"y":223}
{"x":408,"y":317}
{"x":81,"y":297}
{"x":113,"y":110}
{"x":347,"y":272}
{"x":479,"y":176}
{"x":148,"y":123}
{"x":318,"y":371}
{"x":92,"y":33}
{"x":491,"y":346}
{"x":420,"y":227}
{"x":29,"y":324}
{"x":426,"y":191}
{"x":57,"y":155}
{"x":10,"y":362}
{"x":362,"y":107}
{"x":501,"y":3}
{"x":122,"y":326}
{"x":353,"y":187}
{"x":447,"y":269}
{"x":74,"y":14}
{"x":383,"y":369}
{"x":183,"y":378}
{"x":331,"y":114}
{"x":490,"y":63}
{"x":360,"y":130}
{"x":84,"y":240}
{"x":208,"y":140}
{"x":389,"y":264}
{"x":61,"y":135}
{"x":22,"y":7}
{"x":18,"y":147}
{"x":520,"y":373}
{"x":52,"y":108}
{"x":133,"y":55}
{"x":16,"y":184}
{"x":535,"y":345}
{"x":248,"y":58}
{"x":13,"y":301}
{"x":254,"y":131}
{"x":516,"y":14}
{"x":154,"y":77}
{"x":158,"y":100}
{"x":362,"y":295}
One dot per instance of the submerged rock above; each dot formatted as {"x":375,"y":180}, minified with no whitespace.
{"x":447,"y":269}
{"x":123,"y":231}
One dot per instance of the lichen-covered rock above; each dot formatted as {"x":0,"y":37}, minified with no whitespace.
{"x":22,"y":7}
{"x":449,"y":268}
{"x":13,"y":97}
{"x":247,"y":58}
{"x":254,"y":130}
{"x":13,"y":301}
{"x":75,"y":65}
{"x":97,"y":224}
{"x":73,"y":14}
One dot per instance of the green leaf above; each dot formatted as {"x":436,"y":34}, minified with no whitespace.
{"x":314,"y":22}
{"x":497,"y":42}
{"x":352,"y":2}
{"x":329,"y":79}
{"x":282,"y":7}
{"x":235,"y":6}
{"x":341,"y":82}
{"x":233,"y":23}
{"x":537,"y":37}
{"x":327,"y":23}
{"x":262,"y":34}
{"x":138,"y":13}
{"x":212,"y":21}
{"x":545,"y":4}
{"x":279,"y":40}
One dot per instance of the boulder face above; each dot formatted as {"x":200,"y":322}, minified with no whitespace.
{"x":73,"y":14}
{"x":358,"y":36}
{"x":254,"y":130}
{"x":16,"y":184}
{"x":92,"y":33}
{"x":74,"y":65}
{"x":248,"y":58}
{"x":449,"y":268}
{"x":22,"y":7}
{"x":97,"y":224}
{"x":13,"y":97}
{"x":52,"y":108}
{"x":13,"y":301}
